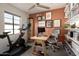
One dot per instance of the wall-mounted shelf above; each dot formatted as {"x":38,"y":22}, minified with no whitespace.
{"x":72,"y":13}
{"x":71,"y":10}
{"x":72,"y":29}
{"x":72,"y":39}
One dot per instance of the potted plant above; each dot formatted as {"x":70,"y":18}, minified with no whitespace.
{"x":67,"y":26}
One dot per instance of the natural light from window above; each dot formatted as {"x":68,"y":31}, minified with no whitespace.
{"x":12,"y":23}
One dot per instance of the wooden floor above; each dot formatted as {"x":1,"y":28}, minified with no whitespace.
{"x":59,"y":52}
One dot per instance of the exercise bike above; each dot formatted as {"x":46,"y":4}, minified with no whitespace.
{"x":15,"y":48}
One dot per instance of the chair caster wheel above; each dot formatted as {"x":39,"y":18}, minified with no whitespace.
{"x":54,"y":51}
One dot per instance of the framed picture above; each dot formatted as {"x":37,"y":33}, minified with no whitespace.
{"x":48,"y":15}
{"x":43,"y":18}
{"x":49,"y":23}
{"x":39,"y":18}
{"x":56,"y":23}
{"x":41,"y":23}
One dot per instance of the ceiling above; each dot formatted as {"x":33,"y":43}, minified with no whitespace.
{"x":26,"y":6}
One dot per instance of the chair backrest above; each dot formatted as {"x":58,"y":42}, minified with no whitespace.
{"x":56,"y":33}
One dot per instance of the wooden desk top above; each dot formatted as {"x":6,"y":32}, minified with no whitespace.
{"x":40,"y":38}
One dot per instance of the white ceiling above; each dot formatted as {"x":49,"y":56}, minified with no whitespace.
{"x":26,"y":6}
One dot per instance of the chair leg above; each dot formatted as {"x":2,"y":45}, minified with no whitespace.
{"x":53,"y":48}
{"x":57,"y":47}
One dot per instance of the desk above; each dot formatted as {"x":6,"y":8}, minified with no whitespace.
{"x":40,"y":40}
{"x":43,"y":38}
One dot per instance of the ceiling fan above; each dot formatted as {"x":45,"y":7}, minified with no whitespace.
{"x":39,"y":5}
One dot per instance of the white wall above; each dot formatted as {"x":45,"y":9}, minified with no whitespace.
{"x":14,"y":10}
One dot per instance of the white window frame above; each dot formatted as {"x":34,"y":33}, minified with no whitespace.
{"x":13,"y":24}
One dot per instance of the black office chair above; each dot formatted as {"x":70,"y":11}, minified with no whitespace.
{"x":53,"y":41}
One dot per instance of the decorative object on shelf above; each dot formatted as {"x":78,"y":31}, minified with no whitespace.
{"x":39,"y":18}
{"x":73,"y":26}
{"x":41,"y":23}
{"x":48,"y":15}
{"x":56,"y":23}
{"x":49,"y":23}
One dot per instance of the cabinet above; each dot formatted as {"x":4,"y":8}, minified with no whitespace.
{"x":71,"y":44}
{"x":68,"y":49}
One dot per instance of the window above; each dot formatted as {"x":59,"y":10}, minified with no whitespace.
{"x":11,"y":23}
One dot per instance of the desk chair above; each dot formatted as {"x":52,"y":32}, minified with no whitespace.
{"x":53,"y":42}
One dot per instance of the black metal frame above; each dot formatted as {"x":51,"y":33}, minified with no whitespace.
{"x":51,"y":23}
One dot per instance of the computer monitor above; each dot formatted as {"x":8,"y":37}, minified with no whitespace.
{"x":41,"y":29}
